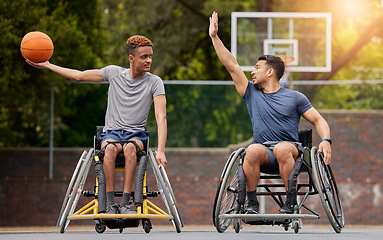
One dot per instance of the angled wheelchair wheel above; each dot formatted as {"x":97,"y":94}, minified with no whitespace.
{"x":172,"y":196}
{"x":227,"y":192}
{"x":70,"y":186}
{"x":328,"y":190}
{"x":75,"y":189}
{"x":166,"y":192}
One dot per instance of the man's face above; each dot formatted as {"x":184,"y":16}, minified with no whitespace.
{"x":142,"y":58}
{"x":259,"y":75}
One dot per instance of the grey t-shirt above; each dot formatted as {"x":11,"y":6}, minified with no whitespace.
{"x":275,"y":116}
{"x":129,"y":99}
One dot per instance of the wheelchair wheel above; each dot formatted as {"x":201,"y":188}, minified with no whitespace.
{"x":69,"y":189}
{"x":328,"y":190}
{"x":75,"y":189}
{"x":165,"y":190}
{"x":170,"y":189}
{"x":227,"y":192}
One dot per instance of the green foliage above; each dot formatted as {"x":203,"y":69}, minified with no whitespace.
{"x":92,"y":34}
{"x":25,"y":91}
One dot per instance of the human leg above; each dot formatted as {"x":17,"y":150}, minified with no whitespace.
{"x":130,"y":153}
{"x":111,"y":151}
{"x":286,"y":153}
{"x":256,"y":155}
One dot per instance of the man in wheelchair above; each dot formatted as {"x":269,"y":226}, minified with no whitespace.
{"x":275,"y":113}
{"x":130,"y":95}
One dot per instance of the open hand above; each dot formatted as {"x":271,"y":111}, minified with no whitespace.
{"x":38,"y":65}
{"x":213,"y":28}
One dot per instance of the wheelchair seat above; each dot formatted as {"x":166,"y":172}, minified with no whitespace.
{"x":120,"y":159}
{"x":305,"y":137}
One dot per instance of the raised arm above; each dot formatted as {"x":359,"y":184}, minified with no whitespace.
{"x":314,"y":117}
{"x":227,"y":59}
{"x":93,"y":75}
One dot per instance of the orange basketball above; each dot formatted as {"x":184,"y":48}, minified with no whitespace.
{"x":37,"y":47}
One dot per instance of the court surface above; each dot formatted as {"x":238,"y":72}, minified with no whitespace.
{"x":195,"y":232}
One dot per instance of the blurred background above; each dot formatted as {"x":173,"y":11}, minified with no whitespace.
{"x":92,"y":34}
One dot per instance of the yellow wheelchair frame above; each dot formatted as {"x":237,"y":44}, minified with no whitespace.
{"x":147,"y":211}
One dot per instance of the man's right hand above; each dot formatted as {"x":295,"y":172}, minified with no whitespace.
{"x":213,"y":28}
{"x":38,"y":65}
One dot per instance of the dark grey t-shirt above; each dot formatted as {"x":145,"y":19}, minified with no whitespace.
{"x":275,"y":116}
{"x":129,"y":99}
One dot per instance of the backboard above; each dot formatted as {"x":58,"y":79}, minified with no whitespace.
{"x":304,"y":36}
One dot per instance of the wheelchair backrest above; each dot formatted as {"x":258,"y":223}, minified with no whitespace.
{"x":305,"y":137}
{"x":97,"y":142}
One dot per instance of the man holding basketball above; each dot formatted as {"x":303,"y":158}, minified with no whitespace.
{"x":275,"y":113}
{"x":130,"y":95}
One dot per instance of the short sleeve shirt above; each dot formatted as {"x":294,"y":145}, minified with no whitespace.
{"x":275,"y":116}
{"x":129,"y":99}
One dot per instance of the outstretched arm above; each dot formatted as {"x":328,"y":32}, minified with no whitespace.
{"x":227,"y":59}
{"x":73,"y":74}
{"x":313,"y":116}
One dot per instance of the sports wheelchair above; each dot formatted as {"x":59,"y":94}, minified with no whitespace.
{"x":231,"y":193}
{"x":96,"y":208}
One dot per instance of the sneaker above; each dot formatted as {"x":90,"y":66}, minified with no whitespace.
{"x":288,"y":208}
{"x":252,"y":207}
{"x":127,"y":209}
{"x":112,"y":209}
{"x":291,"y":201}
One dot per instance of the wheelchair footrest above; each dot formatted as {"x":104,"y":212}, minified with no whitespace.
{"x":268,"y":217}
{"x":119,"y":216}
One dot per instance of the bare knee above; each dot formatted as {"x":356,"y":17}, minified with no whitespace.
{"x":285,"y":152}
{"x":256,"y":154}
{"x":111,"y":152}
{"x":130,"y":151}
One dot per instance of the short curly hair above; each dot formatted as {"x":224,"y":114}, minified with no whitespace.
{"x":137,"y":41}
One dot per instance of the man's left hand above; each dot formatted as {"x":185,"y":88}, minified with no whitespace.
{"x":325,"y":147}
{"x":161,"y":159}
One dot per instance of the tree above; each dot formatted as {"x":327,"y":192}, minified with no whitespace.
{"x":92,"y":34}
{"x":25,"y":91}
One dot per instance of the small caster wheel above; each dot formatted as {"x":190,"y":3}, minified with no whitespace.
{"x":100,"y":227}
{"x":286,"y":227}
{"x":237,"y":226}
{"x":296,"y":226}
{"x":147,"y":226}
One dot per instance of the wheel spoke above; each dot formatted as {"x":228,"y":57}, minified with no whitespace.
{"x":227,"y":193}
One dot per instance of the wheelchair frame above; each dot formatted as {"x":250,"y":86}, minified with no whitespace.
{"x":146,"y":209}
{"x":228,"y":206}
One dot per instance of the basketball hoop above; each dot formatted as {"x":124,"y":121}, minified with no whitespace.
{"x":288,"y":61}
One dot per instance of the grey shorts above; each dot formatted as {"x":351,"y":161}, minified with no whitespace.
{"x":270,"y":150}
